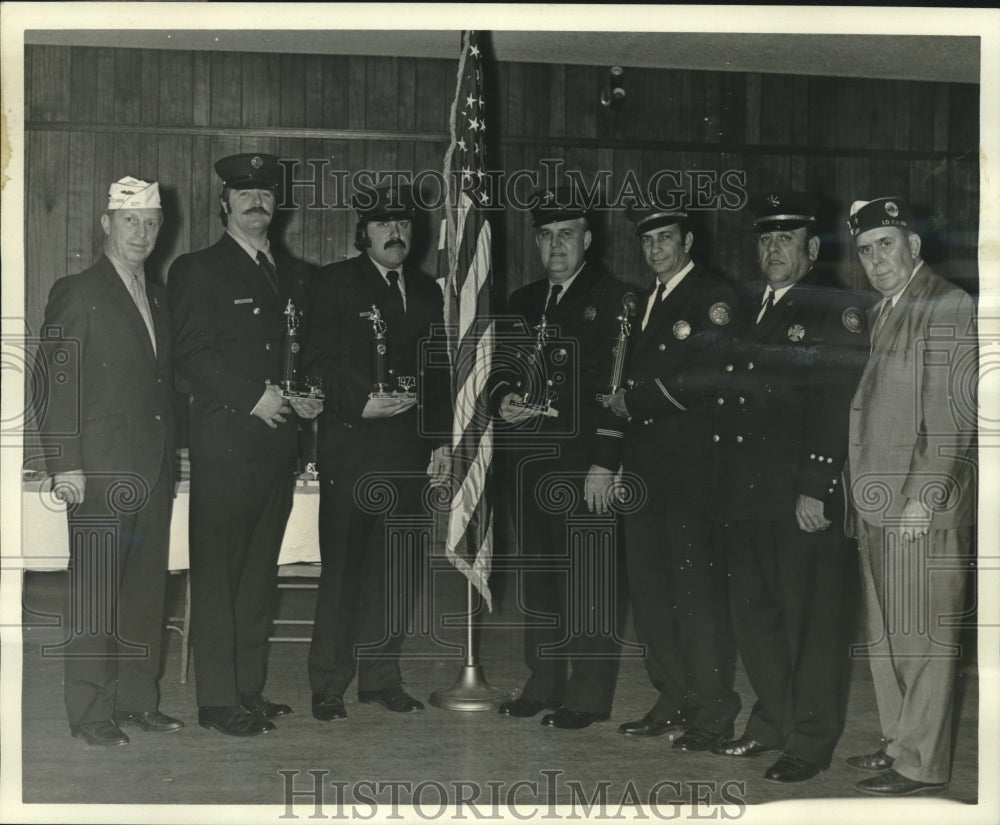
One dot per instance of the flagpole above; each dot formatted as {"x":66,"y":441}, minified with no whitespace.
{"x":466,"y":237}
{"x":470,"y":691}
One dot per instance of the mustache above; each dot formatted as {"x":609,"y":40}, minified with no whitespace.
{"x":394,"y":242}
{"x":252,"y":209}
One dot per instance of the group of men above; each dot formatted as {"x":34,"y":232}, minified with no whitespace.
{"x":753,"y":428}
{"x":756,"y":432}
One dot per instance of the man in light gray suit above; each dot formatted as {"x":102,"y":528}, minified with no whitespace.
{"x":912,"y":484}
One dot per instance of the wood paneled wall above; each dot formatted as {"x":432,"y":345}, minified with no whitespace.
{"x":96,"y":114}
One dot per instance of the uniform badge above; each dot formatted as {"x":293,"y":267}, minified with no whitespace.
{"x":720,"y":314}
{"x":796,"y":332}
{"x":852,"y":319}
{"x":256,"y":161}
{"x":682,"y":329}
{"x":891,"y":209}
{"x":774,"y":200}
{"x":590,"y":313}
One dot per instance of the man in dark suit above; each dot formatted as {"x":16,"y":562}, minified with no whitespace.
{"x":911,"y":476}
{"x":676,"y":581}
{"x":228,"y":306}
{"x":361,"y":435}
{"x":108,"y":429}
{"x":580,"y":447}
{"x":780,"y":443}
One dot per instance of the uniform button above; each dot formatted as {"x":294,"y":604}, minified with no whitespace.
{"x":812,"y":456}
{"x":159,"y":380}
{"x":749,"y":365}
{"x":158,"y":417}
{"x":267,"y":346}
{"x":662,"y":347}
{"x":729,"y":367}
{"x":835,"y":481}
{"x":715,"y":438}
{"x":720,"y":401}
{"x":820,"y":458}
{"x":256,"y":310}
{"x":829,"y":461}
{"x":830,"y":490}
{"x":739,"y":439}
{"x":743,"y":400}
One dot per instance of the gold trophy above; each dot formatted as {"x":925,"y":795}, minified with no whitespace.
{"x":405,"y":385}
{"x":535,"y":389}
{"x":291,"y":353}
{"x":620,"y":348}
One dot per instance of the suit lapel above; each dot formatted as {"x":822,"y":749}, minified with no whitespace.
{"x":661,"y":313}
{"x":254,"y":281}
{"x":125,"y":305}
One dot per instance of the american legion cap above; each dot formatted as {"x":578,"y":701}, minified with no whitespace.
{"x":865,"y":215}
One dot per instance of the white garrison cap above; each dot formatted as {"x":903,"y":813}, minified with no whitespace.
{"x":132,"y":193}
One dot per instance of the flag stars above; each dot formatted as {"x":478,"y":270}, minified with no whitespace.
{"x":474,"y":50}
{"x":461,"y":144}
{"x":471,"y":101}
{"x":474,"y":123}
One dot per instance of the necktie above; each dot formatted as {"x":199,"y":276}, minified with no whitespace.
{"x":394,"y":309}
{"x":138,"y":292}
{"x":553,"y":300}
{"x":882,"y":316}
{"x":269,"y":271}
{"x":768,"y":303}
{"x":657,"y":301}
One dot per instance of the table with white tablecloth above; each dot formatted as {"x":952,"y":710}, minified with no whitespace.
{"x":45,"y":541}
{"x":45,"y":537}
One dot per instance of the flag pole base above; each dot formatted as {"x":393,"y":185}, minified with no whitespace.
{"x":471,"y":691}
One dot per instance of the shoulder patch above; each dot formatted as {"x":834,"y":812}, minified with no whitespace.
{"x":720,"y":314}
{"x":852,"y":319}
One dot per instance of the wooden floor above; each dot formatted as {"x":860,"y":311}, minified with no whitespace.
{"x":437,"y":748}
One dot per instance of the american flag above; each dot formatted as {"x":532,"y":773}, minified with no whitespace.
{"x":466,"y":240}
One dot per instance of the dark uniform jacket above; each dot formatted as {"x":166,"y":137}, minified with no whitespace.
{"x":339,"y":345}
{"x":671,"y":368}
{"x":109,"y":405}
{"x":785,"y":391}
{"x":577,"y":360}
{"x":229,"y":326}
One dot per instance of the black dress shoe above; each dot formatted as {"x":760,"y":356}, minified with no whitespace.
{"x":744,"y":748}
{"x":104,"y":733}
{"x":394,"y":698}
{"x":877,"y":761}
{"x":233,"y":721}
{"x":573,"y":719}
{"x":259,"y":705}
{"x":697,"y":739}
{"x":328,"y":707}
{"x":152,"y":721}
{"x":891,"y":783}
{"x":790,"y":769}
{"x":648,"y":726}
{"x":523,"y":708}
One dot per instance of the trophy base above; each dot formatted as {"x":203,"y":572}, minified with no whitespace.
{"x":396,"y":394}
{"x":542,"y":409}
{"x":310,"y":393}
